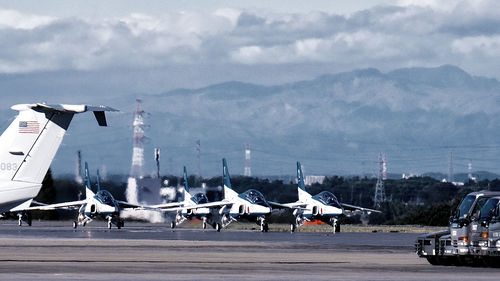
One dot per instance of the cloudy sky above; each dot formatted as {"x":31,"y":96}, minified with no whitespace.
{"x":195,"y":43}
{"x":96,"y":51}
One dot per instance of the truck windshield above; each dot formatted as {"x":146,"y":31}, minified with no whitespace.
{"x":464,"y":208}
{"x":479,"y":204}
{"x":487,"y":207}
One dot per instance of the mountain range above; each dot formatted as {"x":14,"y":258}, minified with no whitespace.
{"x":421,"y":119}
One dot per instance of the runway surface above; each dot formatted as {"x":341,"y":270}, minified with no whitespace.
{"x":54,"y":251}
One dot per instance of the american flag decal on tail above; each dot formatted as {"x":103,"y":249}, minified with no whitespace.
{"x":29,"y":127}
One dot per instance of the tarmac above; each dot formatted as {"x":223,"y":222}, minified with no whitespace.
{"x":143,"y":251}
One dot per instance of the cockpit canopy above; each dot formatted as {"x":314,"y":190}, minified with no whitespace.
{"x":254,"y":197}
{"x":105,"y":197}
{"x":200,"y":198}
{"x":328,"y":198}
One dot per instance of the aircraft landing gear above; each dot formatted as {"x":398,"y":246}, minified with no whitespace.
{"x":218,"y":227}
{"x":75,"y":224}
{"x":335,"y":224}
{"x":204,"y":225}
{"x":293,"y":227}
{"x":24,"y":216}
{"x":172,"y":225}
{"x":264,"y":227}
{"x":110,"y":224}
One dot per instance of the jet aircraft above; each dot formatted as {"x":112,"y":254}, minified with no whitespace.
{"x":27,"y":148}
{"x":323,"y":206}
{"x":182,"y":213}
{"x":95,"y":205}
{"x":250,"y":205}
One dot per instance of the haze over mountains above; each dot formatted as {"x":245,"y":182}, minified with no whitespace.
{"x":334,"y":124}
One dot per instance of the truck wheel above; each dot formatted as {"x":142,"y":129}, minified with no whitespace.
{"x":432,"y":260}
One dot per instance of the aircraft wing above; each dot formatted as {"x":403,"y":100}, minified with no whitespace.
{"x":167,"y":205}
{"x":217,"y":204}
{"x":296,"y":205}
{"x":352,"y":207}
{"x":127,"y":205}
{"x":64,"y":205}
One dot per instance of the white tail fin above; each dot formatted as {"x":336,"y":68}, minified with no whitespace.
{"x":229,"y":193}
{"x":187,"y":195}
{"x":31,"y":141}
{"x":301,"y":188}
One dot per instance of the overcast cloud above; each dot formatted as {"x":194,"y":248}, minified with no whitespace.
{"x":411,"y":33}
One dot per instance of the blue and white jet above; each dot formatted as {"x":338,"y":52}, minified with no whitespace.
{"x":95,"y":205}
{"x":184,"y":212}
{"x":323,"y":206}
{"x":250,"y":205}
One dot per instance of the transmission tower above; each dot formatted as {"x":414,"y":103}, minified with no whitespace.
{"x":138,"y":151}
{"x":469,"y":168}
{"x":379,"y":187}
{"x":248,"y":170}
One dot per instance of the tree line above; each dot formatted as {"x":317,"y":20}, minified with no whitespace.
{"x":416,"y":200}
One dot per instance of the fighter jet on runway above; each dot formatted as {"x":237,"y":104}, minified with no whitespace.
{"x":184,"y":213}
{"x":323,"y":206}
{"x":27,"y":148}
{"x":95,"y":205}
{"x":249,"y":205}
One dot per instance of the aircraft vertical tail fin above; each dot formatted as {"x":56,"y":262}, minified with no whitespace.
{"x":187,"y":195}
{"x":303,"y":194}
{"x":88,"y":187}
{"x":31,"y":141}
{"x":226,"y":180}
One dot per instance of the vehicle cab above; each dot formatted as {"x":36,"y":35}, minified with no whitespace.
{"x":494,"y":232}
{"x":460,"y":222}
{"x":479,"y":227}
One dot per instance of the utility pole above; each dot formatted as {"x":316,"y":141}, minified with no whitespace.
{"x":379,"y":187}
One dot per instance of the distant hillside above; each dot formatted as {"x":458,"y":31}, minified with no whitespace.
{"x":334,"y":124}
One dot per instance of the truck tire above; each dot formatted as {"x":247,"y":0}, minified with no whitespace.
{"x":432,"y":260}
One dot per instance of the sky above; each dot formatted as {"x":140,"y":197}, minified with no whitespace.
{"x":302,"y":38}
{"x":101,"y":50}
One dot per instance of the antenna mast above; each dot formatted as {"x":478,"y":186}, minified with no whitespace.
{"x":379,"y":187}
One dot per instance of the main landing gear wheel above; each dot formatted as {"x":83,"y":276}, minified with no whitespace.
{"x":20,"y":222}
{"x":75,"y":224}
{"x":264,"y":227}
{"x":109,"y":224}
{"x":293,"y":227}
{"x":172,"y":225}
{"x":204,"y":225}
{"x":218,"y":227}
